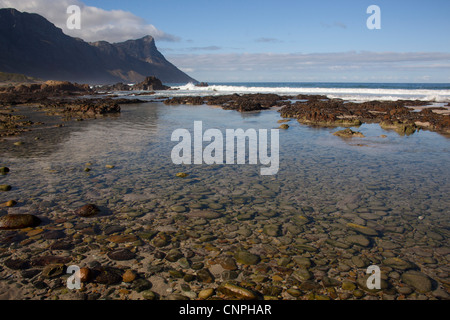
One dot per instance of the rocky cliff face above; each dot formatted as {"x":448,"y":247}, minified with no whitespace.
{"x":32,"y":45}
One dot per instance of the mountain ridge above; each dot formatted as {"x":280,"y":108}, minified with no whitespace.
{"x":34,"y":46}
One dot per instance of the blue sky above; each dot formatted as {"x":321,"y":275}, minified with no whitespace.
{"x":296,"y":26}
{"x":282,"y":40}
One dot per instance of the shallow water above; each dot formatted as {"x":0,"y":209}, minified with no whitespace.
{"x":395,"y":183}
{"x":138,"y":144}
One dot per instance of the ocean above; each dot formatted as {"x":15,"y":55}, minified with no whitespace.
{"x":436,"y":92}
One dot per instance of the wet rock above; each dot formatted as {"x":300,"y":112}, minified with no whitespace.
{"x":177,"y":274}
{"x":309,"y":285}
{"x":53,"y":271}
{"x":347,"y":285}
{"x":141,"y":284}
{"x":128,"y":276}
{"x":9,"y":204}
{"x":174,"y":255}
{"x":113,"y":229}
{"x":294,"y":292}
{"x":121,"y":255}
{"x":178,"y":209}
{"x":330,"y":282}
{"x":441,"y":294}
{"x":18,"y":221}
{"x":182,"y":175}
{"x":337,"y":244}
{"x":30,"y":273}
{"x":123,"y":238}
{"x":418,"y":280}
{"x":228,"y":263}
{"x":17,"y":264}
{"x":54,"y":234}
{"x":109,"y":276}
{"x":46,"y":260}
{"x":205,"y":276}
{"x":206,"y":293}
{"x":149,"y":295}
{"x":272,"y":230}
{"x":5,"y":187}
{"x":359,"y":240}
{"x":4,"y":170}
{"x":244,"y":257}
{"x":40,"y":285}
{"x":302,"y":261}
{"x":85,"y":274}
{"x":176,"y":297}
{"x":204,"y":214}
{"x":229,"y":275}
{"x":62,"y":245}
{"x":283,"y":127}
{"x":302,"y":274}
{"x":234,"y":291}
{"x":362,"y":229}
{"x":348,"y":133}
{"x":150,"y":84}
{"x":360,"y":262}
{"x":398,"y":264}
{"x":161,"y":240}
{"x":305,"y":247}
{"x":88,"y":210}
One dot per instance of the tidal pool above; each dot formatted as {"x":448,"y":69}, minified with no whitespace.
{"x":393,"y":192}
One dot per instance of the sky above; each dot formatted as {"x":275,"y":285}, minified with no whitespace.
{"x":274,"y":41}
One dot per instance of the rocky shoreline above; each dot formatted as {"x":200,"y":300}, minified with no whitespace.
{"x":319,"y":110}
{"x":63,"y":98}
{"x":54,"y":98}
{"x":191,"y":244}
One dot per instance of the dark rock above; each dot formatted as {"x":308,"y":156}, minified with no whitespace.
{"x":53,"y":271}
{"x":88,"y":210}
{"x":4,"y":170}
{"x":205,"y":276}
{"x":418,"y":280}
{"x":398,"y":264}
{"x":247,"y":258}
{"x":54,"y":234}
{"x":46,"y":260}
{"x":309,"y":285}
{"x":140,"y":285}
{"x":31,"y":273}
{"x":108,"y":276}
{"x":174,"y":255}
{"x":17,"y":264}
{"x":18,"y":221}
{"x":113,"y":229}
{"x":62,"y":245}
{"x":121,"y":255}
{"x":150,"y":84}
{"x":228,"y":263}
{"x":5,"y":187}
{"x":40,"y":285}
{"x":329,"y":282}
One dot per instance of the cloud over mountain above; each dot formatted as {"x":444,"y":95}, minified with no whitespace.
{"x":96,"y":23}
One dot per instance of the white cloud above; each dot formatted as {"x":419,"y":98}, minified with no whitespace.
{"x":96,"y":23}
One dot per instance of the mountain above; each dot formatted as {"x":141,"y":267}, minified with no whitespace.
{"x":31,"y":45}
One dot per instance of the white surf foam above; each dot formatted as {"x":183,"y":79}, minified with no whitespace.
{"x":353,"y":94}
